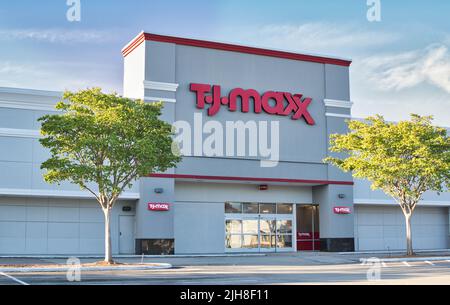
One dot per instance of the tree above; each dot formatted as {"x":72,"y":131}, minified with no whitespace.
{"x":103,"y":143}
{"x":403,"y":159}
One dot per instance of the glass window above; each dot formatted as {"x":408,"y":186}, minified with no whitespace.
{"x":233,"y":208}
{"x":233,"y":226}
{"x":267,"y":226}
{"x":305,"y":221}
{"x":233,"y":241}
{"x":285,"y":209}
{"x":267,"y":208}
{"x":284,"y":241}
{"x":267,"y":241}
{"x":250,"y":208}
{"x":284,"y":226}
{"x":255,"y":226}
{"x":250,"y":241}
{"x":250,"y":226}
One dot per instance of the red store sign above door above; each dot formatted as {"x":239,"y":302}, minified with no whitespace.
{"x":161,"y":207}
{"x":274,"y":103}
{"x":342,"y":210}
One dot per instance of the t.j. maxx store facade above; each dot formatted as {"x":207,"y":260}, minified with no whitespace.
{"x":225,"y":196}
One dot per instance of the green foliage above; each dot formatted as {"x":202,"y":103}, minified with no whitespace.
{"x":403,"y":159}
{"x":105,"y":140}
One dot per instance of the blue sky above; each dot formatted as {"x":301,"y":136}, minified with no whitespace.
{"x":400,"y":65}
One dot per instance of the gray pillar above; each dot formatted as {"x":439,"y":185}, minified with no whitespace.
{"x":336,"y":230}
{"x":150,"y":75}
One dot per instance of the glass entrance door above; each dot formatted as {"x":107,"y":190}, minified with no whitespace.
{"x":308,"y":233}
{"x":250,"y":233}
{"x":285,"y":237}
{"x":264,"y":227}
{"x":267,"y":233}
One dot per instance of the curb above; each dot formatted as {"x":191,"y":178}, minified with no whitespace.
{"x":130,"y":256}
{"x":393,"y":252}
{"x":416,"y":259}
{"x":66,"y":268}
{"x":412,"y":259}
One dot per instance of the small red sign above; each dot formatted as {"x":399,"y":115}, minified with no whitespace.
{"x":342,"y":210}
{"x":161,"y":207}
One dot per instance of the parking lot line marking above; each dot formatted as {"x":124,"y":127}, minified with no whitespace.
{"x":221,"y":282}
{"x":406,"y":264}
{"x":14,"y":279}
{"x":429,"y":263}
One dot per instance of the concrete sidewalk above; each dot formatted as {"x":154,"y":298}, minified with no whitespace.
{"x":279,"y":259}
{"x":90,"y":256}
{"x":64,"y":268}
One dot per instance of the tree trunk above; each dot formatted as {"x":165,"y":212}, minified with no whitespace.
{"x":108,"y":253}
{"x":409,"y":244}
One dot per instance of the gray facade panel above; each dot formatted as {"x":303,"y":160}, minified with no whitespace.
{"x":17,"y":118}
{"x":154,"y":224}
{"x":251,"y":168}
{"x":234,"y":70}
{"x":337,"y":82}
{"x":199,"y":228}
{"x":160,"y":62}
{"x":41,"y":226}
{"x":159,"y":94}
{"x":337,"y":126}
{"x":16,"y":149}
{"x":15,"y":175}
{"x":334,"y":225}
{"x":338,"y":110}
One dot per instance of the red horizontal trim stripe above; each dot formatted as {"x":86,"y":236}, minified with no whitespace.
{"x":133,"y":45}
{"x":232,"y":48}
{"x":253,"y":179}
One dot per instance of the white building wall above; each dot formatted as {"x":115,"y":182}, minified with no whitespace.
{"x":21,"y":154}
{"x":365,"y":195}
{"x":134,"y":73}
{"x":383,"y":228}
{"x":56,"y":226}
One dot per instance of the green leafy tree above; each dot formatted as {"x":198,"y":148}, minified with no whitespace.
{"x":104,"y":143}
{"x":403,"y":159}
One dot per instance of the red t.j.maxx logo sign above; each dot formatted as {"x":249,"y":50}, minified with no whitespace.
{"x":285,"y":103}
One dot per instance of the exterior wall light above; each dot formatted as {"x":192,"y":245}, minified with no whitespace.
{"x":159,"y":190}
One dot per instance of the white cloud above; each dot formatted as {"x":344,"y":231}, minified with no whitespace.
{"x":59,"y":76}
{"x":407,"y":70}
{"x":400,"y":83}
{"x":318,"y":37}
{"x":57,"y":35}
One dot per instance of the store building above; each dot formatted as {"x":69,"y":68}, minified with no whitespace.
{"x":254,"y":125}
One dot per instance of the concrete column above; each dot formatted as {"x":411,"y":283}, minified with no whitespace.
{"x":150,"y":75}
{"x":336,"y":230}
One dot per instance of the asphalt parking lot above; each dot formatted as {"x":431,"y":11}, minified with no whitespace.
{"x":260,"y":270}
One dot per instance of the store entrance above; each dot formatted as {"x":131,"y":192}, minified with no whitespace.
{"x":259,"y":227}
{"x":308,"y":232}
